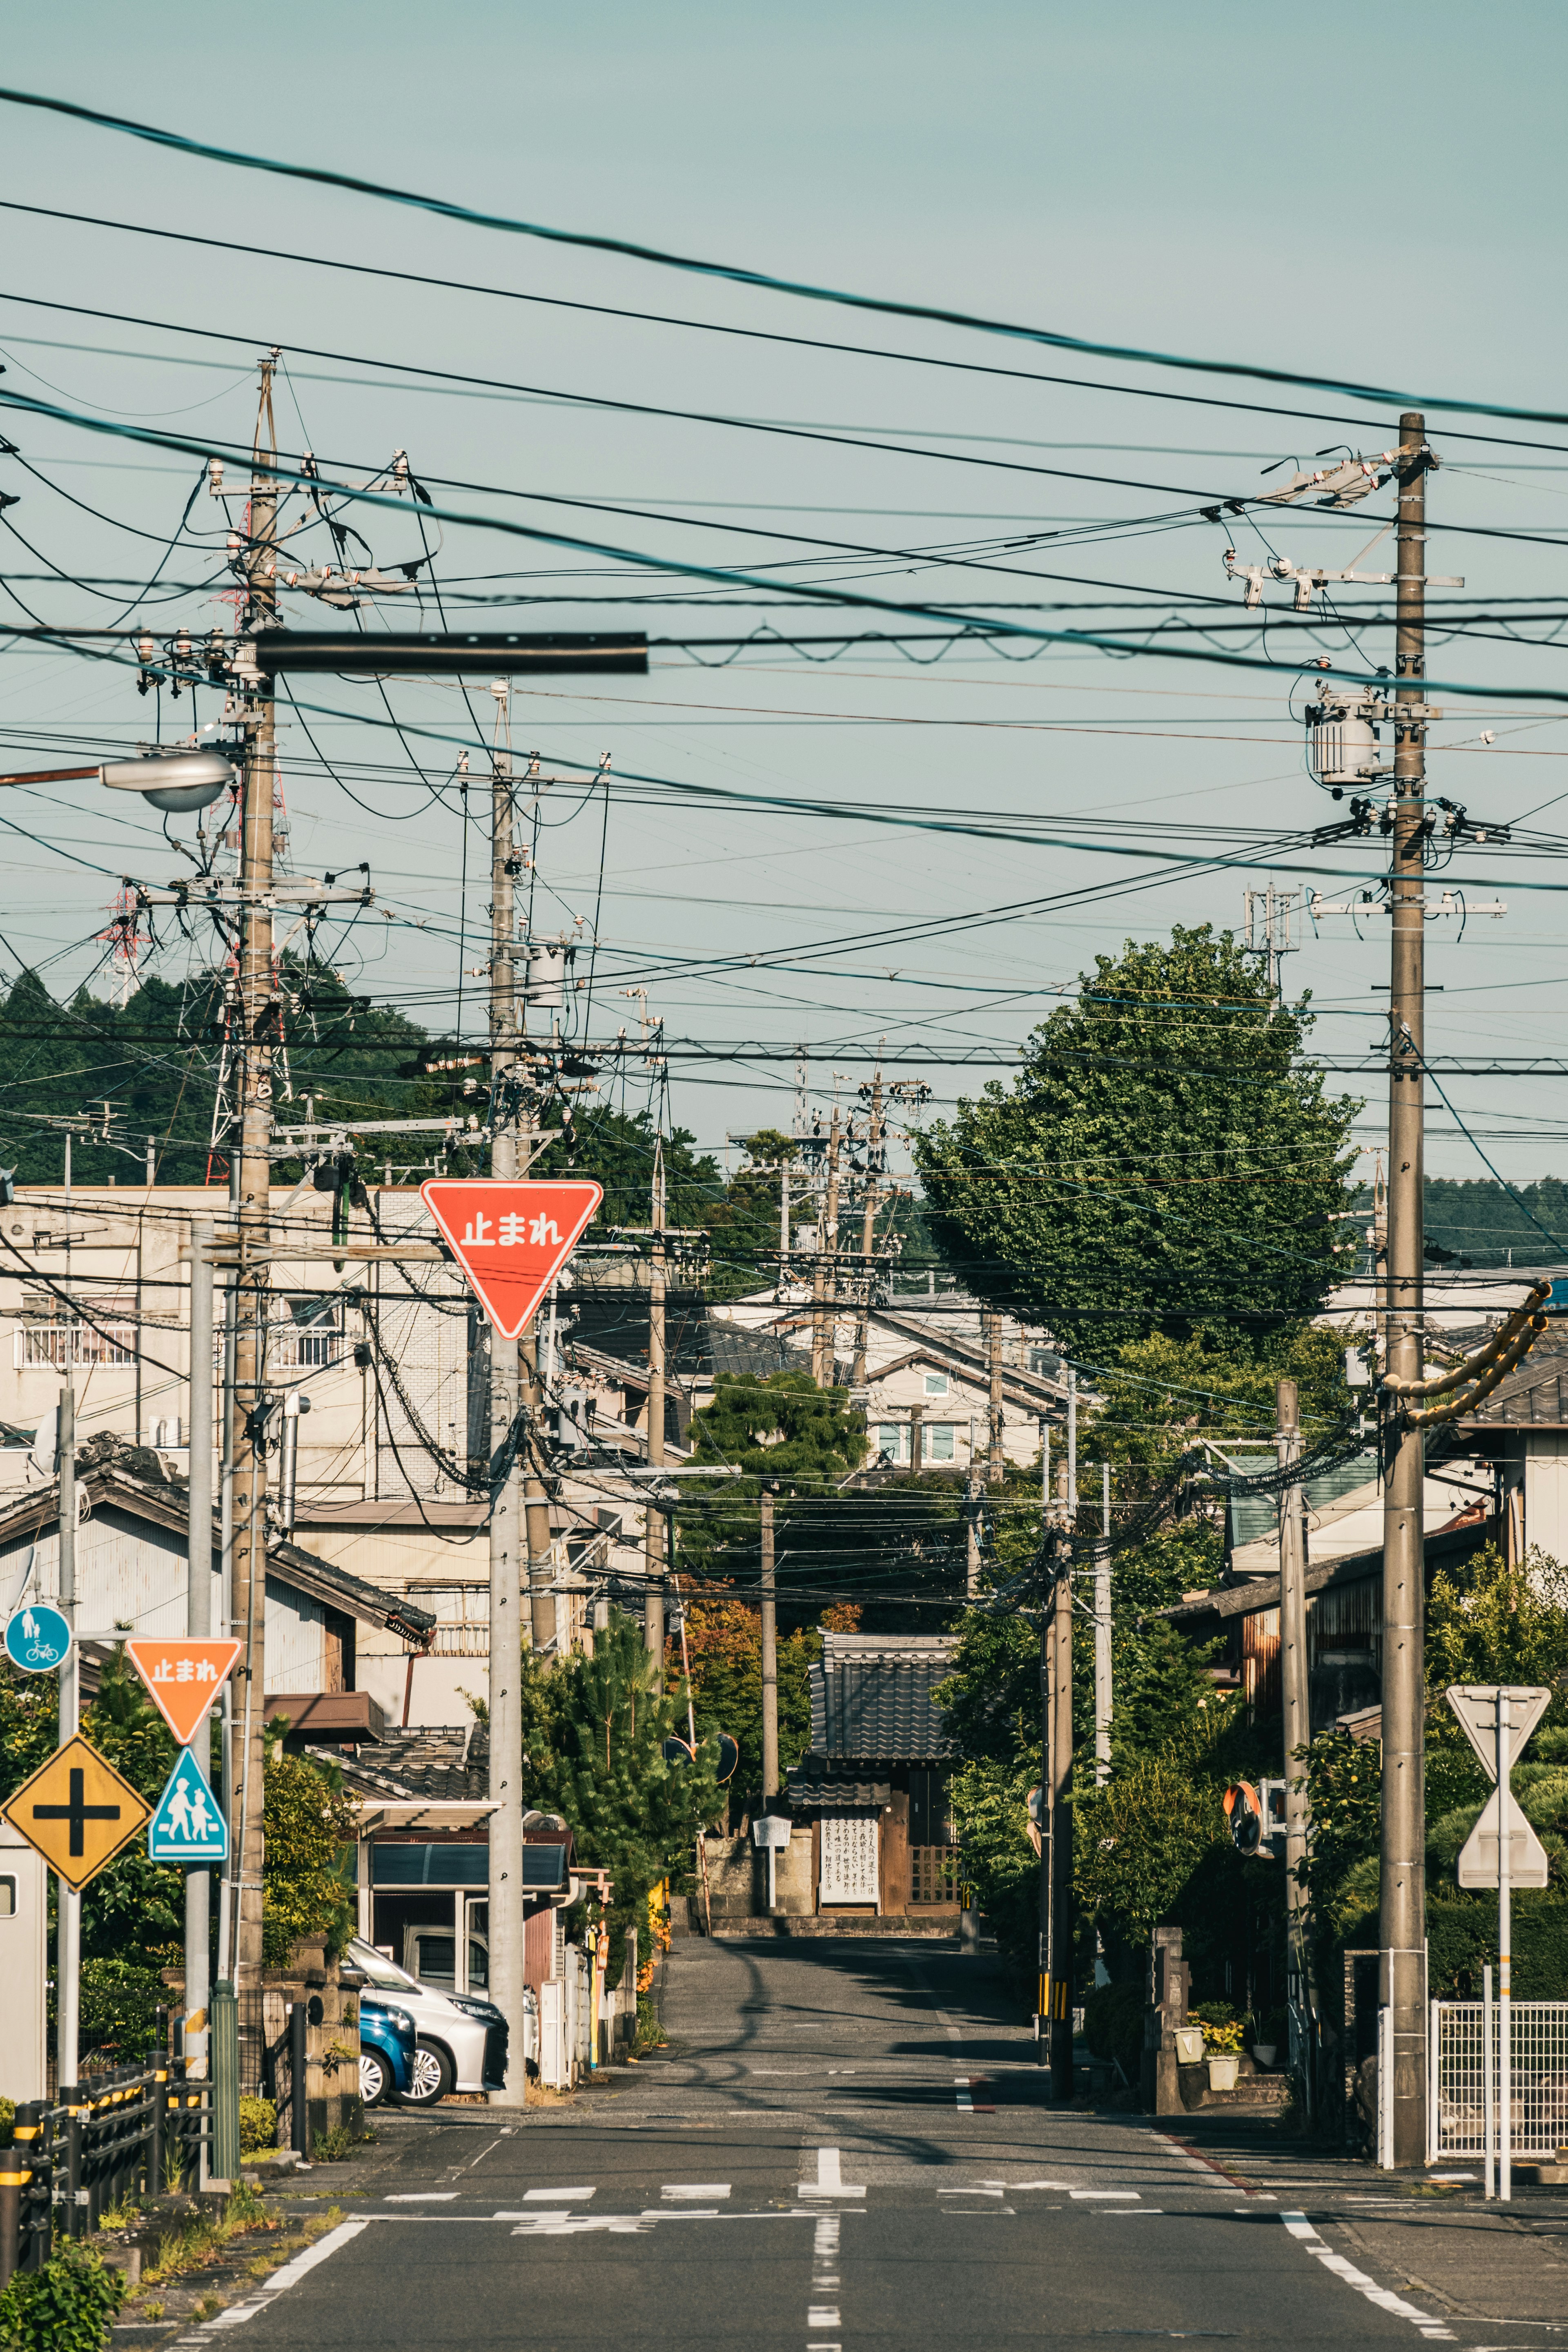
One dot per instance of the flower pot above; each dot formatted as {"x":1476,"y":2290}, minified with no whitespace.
{"x":1223,"y":2071}
{"x":1189,"y":2045}
{"x":1264,"y":2053}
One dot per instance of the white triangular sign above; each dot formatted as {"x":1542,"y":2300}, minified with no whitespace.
{"x":1526,"y":1854}
{"x":1475,"y":1703}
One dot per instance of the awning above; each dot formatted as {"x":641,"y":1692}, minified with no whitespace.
{"x":423,"y":1813}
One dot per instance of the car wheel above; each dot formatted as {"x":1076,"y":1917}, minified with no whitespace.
{"x":375,"y":2078}
{"x":430,"y":2076}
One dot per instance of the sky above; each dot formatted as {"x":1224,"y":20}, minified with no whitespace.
{"x":1371,"y":196}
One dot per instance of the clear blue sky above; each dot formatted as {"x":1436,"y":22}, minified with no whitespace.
{"x":1375,"y":193}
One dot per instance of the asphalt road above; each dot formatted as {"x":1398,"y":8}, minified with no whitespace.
{"x":848,"y":2149}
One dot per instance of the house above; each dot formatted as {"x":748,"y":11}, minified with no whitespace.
{"x":131,"y":1544}
{"x":1520,"y":1431}
{"x":872,"y":1838}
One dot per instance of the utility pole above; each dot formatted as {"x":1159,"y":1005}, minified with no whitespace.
{"x":1102,"y":1694}
{"x":996,"y":1452}
{"x":258,"y":1029}
{"x":67,"y":1902}
{"x":508,"y":1542}
{"x":824,"y":1280}
{"x":1059,"y":1667}
{"x":199,"y":1621}
{"x":1297,"y":1727}
{"x":654,"y":1586}
{"x":1402,"y":1920}
{"x":769,"y":1667}
{"x":973,"y":1489}
{"x":873,"y":1155}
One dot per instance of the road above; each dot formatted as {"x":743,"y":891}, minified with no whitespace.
{"x":847,"y":2150}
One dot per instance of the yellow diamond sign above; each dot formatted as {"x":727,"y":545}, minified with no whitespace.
{"x":77,"y":1811}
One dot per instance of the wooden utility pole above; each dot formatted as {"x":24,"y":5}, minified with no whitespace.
{"x":654,"y":1561}
{"x":1297,"y":1725}
{"x":258,"y":1030}
{"x":825,"y":1276}
{"x":996,"y":1462}
{"x":1403,"y":1908}
{"x":874,"y":1152}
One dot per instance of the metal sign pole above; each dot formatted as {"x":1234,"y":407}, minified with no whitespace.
{"x":1504,"y":1969}
{"x":68,"y":1901}
{"x":1489,"y":2086}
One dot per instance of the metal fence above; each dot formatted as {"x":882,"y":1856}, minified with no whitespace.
{"x":133,"y":2128}
{"x":1462,"y":2080}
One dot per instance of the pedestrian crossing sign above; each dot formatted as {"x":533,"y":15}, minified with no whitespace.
{"x":188,"y":1825}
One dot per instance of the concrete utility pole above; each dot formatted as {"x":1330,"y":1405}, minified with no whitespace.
{"x":868,"y":1232}
{"x":973,"y":1489}
{"x":1297,"y":1727}
{"x":506,"y":1528}
{"x":769,"y":1659}
{"x":258,"y":1030}
{"x":1060,"y":1794}
{"x":825,"y":1276}
{"x":199,"y":1620}
{"x":1102,"y":1694}
{"x":654,"y":1590}
{"x":67,"y":1902}
{"x":1403,"y":1913}
{"x":997,"y":1460}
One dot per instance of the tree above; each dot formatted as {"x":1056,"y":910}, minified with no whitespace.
{"x":1166,"y":1162}
{"x":598,"y":1759}
{"x":724,"y":1645}
{"x":306,"y":1880}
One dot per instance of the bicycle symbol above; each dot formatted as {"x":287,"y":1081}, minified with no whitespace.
{"x":42,"y":1654}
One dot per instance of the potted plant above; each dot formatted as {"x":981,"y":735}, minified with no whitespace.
{"x":1268,"y":2033}
{"x":1222,"y":2042}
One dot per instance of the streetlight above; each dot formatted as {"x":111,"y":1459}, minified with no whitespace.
{"x":174,"y":782}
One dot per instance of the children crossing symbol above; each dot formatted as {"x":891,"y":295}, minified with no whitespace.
{"x":187,"y":1825}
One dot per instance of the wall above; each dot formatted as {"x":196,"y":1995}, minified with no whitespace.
{"x":1546,"y":1491}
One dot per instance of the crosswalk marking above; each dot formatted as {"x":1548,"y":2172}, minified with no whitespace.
{"x":556,"y":2196}
{"x":696,"y":2189}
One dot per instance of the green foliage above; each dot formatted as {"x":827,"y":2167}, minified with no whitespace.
{"x":594,"y":1751}
{"x":724,"y":1646}
{"x":781,"y":1427}
{"x":257,"y":2126}
{"x":118,"y":2003}
{"x":67,"y":2306}
{"x":1487,"y":1623}
{"x":308,"y":1824}
{"x":1137,"y":1840}
{"x":1114,"y":2026}
{"x":989,"y":1797}
{"x":1344,"y":1798}
{"x":1476,"y":1219}
{"x":1165,"y":1162}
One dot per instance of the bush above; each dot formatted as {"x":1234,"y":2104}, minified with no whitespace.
{"x":120,"y":2000}
{"x":257,"y":2126}
{"x":67,"y":2306}
{"x":1114,"y":2026}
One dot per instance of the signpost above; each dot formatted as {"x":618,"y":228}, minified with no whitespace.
{"x":1501,"y":1850}
{"x":77,"y":1811}
{"x":510,"y":1239}
{"x":183,"y":1678}
{"x":39,"y":1638}
{"x":187,"y":1826}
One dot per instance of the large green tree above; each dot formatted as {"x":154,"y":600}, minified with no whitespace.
{"x":1167,"y":1160}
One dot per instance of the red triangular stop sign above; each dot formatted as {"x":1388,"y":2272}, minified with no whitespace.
{"x":511,"y":1240}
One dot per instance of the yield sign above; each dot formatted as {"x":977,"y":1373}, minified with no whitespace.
{"x":184,"y":1677}
{"x":511,"y":1240}
{"x":1479,"y":1854}
{"x":187,"y":1825}
{"x":1475,"y":1703}
{"x":77,"y":1811}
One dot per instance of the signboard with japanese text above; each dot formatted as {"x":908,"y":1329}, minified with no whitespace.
{"x":511,"y":1240}
{"x":184,"y":1677}
{"x":850,"y":1854}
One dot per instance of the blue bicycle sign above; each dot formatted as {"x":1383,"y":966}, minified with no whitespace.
{"x":37,"y":1638}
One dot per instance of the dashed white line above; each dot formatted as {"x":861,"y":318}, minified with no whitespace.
{"x":1094,"y":2194}
{"x":292,"y":2272}
{"x":423,"y":2196}
{"x":1383,"y":2297}
{"x":556,"y":2196}
{"x":696,"y":2189}
{"x":829,"y":2180}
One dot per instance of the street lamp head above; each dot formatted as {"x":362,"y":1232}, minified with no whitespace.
{"x":175,"y":782}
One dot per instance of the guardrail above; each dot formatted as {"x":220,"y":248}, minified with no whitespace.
{"x":135,"y":2129}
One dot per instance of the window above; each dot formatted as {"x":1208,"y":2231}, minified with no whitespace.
{"x":935,"y":1383}
{"x":893,"y":1439}
{"x":67,"y":1346}
{"x":938,"y":1445}
{"x":1045,"y":1360}
{"x":313,"y":1335}
{"x":8,"y":1898}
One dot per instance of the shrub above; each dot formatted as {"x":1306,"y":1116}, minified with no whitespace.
{"x":257,"y":2126}
{"x":120,"y":2000}
{"x":1114,"y":2026}
{"x":67,"y":2306}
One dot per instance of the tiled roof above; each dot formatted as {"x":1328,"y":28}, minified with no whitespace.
{"x":871,"y":1697}
{"x":444,"y":1764}
{"x":814,"y":1782}
{"x":1535,"y":1396}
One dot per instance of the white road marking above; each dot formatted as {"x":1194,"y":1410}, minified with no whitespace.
{"x":1383,"y":2297}
{"x":1096,"y":2193}
{"x":423,"y":2196}
{"x":829,"y":2181}
{"x":697,"y":2189}
{"x":292,"y":2272}
{"x":823,"y":2315}
{"x":967,"y":2188}
{"x":556,"y":2196}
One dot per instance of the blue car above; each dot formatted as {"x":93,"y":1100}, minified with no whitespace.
{"x":387,"y":2043}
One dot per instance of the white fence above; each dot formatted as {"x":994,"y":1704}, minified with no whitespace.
{"x":1460,"y":2077}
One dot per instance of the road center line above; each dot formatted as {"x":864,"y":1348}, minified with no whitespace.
{"x":1383,"y":2297}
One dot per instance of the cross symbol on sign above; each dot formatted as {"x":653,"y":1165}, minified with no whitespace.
{"x":78,"y":1812}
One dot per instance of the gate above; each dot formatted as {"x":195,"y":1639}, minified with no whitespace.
{"x":1460,"y":2077}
